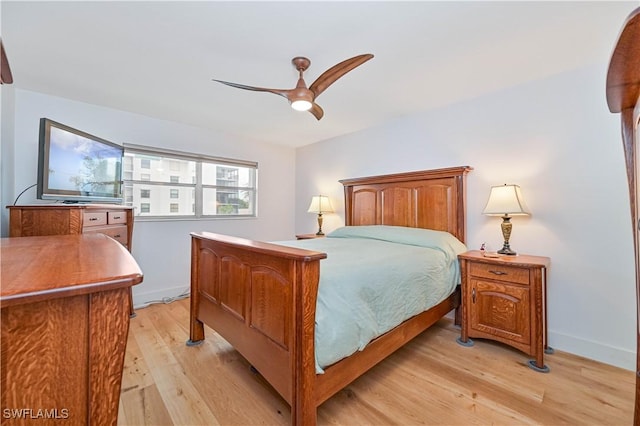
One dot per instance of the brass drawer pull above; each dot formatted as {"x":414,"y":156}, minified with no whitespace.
{"x":93,"y":218}
{"x":498,"y":272}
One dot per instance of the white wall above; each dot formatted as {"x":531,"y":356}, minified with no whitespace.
{"x":7,"y":110}
{"x":162,"y":248}
{"x":558,"y":141}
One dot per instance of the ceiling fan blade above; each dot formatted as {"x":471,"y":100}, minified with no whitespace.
{"x":5,"y":71}
{"x":328,"y":77}
{"x":316,"y":110}
{"x":282,"y":92}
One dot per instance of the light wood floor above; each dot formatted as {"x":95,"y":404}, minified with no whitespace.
{"x":432,"y":380}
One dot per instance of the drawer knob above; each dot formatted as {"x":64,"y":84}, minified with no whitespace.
{"x":93,"y":218}
{"x":116,"y":217}
{"x":498,"y":272}
{"x":116,"y":236}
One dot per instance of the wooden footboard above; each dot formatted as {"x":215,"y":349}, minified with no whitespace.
{"x":261,"y":298}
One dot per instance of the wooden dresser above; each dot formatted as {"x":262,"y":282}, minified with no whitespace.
{"x":62,"y":219}
{"x":65,"y":321}
{"x":113,"y":220}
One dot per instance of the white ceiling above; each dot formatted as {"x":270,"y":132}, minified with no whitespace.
{"x":158,"y":58}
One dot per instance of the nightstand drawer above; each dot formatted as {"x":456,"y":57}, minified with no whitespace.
{"x":494,"y":271}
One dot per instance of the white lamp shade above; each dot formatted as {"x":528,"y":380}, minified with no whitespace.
{"x":506,"y":199}
{"x":320,"y":204}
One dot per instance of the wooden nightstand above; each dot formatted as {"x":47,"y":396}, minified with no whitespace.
{"x":504,"y":299}
{"x":308,"y":236}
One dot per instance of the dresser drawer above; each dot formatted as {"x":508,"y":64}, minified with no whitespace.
{"x":116,"y":217}
{"x":94,"y":218}
{"x":507,"y":273}
{"x":118,"y":232}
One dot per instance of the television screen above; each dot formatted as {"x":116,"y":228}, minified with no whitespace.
{"x":75,"y":166}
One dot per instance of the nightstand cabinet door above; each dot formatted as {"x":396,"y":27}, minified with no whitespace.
{"x":501,"y":310}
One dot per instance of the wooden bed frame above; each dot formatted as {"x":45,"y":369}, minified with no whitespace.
{"x":261,"y":297}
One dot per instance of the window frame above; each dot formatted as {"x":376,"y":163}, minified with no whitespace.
{"x":198,"y":187}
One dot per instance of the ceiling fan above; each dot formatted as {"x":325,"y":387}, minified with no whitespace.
{"x":301,"y":97}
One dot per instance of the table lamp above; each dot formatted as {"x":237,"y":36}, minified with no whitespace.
{"x":320,"y":204}
{"x":503,"y":201}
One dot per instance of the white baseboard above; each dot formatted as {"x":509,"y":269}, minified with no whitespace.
{"x":164,"y":295}
{"x":597,"y":351}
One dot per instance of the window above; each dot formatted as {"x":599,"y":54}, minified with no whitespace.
{"x":188,"y":185}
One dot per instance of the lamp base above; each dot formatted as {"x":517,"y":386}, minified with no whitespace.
{"x":506,"y":233}
{"x":507,"y":250}
{"x":319,"y":225}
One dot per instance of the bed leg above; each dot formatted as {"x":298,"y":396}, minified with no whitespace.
{"x":457,"y":318}
{"x":303,"y":417}
{"x":196,"y":336}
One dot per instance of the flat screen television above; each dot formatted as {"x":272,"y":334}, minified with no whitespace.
{"x":74,"y":166}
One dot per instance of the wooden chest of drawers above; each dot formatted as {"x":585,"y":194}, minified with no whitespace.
{"x":112,"y":220}
{"x":59,"y":219}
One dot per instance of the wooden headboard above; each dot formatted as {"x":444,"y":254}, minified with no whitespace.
{"x":433,"y":199}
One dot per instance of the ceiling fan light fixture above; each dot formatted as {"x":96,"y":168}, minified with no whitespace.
{"x":301,"y":105}
{"x":301,"y":98}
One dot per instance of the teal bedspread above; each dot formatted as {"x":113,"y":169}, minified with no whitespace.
{"x":374,"y":278}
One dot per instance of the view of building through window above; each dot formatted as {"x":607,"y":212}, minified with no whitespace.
{"x":160,"y":184}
